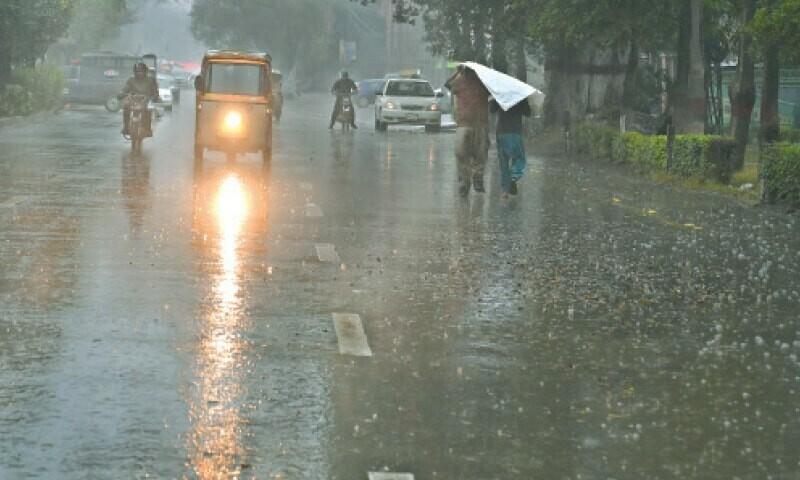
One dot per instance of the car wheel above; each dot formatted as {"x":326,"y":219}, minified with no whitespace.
{"x":113,"y":104}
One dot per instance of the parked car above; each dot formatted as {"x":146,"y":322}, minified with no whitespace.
{"x":408,"y":102}
{"x":170,"y":94}
{"x":101,"y":76}
{"x":367,"y":90}
{"x":72,"y":75}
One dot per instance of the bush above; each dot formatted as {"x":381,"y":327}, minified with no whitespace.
{"x":702,"y":156}
{"x":15,"y":100}
{"x":595,"y":141}
{"x":781,"y":173}
{"x":646,"y":152}
{"x":790,"y":135}
{"x":32,"y":90}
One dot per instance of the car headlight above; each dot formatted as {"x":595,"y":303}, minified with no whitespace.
{"x":390,"y":106}
{"x":232,"y":123}
{"x":434,"y":107}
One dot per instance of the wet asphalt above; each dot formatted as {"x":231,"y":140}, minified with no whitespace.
{"x":162,"y":320}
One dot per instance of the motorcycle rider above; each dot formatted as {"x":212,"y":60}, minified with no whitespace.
{"x":139,"y":84}
{"x":344,"y":87}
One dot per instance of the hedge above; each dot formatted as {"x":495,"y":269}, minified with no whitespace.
{"x":791,"y":135}
{"x":32,"y":90}
{"x":692,"y":155}
{"x":780,"y":173}
{"x":596,"y":140}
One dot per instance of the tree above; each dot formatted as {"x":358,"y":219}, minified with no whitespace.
{"x":299,"y":34}
{"x":95,"y":21}
{"x":776,"y":23}
{"x":592,"y":50}
{"x":743,"y":93}
{"x":688,"y":96}
{"x":27,"y":28}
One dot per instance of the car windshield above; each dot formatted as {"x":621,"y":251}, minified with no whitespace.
{"x":409,"y":89}
{"x":165,"y":81}
{"x":236,"y":79}
{"x":370,"y":86}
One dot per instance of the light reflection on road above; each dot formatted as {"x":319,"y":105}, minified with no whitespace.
{"x":216,"y":448}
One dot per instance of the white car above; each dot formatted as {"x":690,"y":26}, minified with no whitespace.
{"x":167,"y":91}
{"x":407,"y":102}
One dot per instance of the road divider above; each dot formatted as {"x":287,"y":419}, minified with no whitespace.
{"x":390,"y":476}
{"x":326,"y":253}
{"x":351,"y":337}
{"x":313,"y":211}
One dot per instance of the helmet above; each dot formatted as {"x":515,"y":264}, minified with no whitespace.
{"x":345,"y":74}
{"x":140,"y":67}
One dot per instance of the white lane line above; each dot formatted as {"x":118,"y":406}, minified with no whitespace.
{"x":11,"y":202}
{"x":313,"y":211}
{"x":390,"y":476}
{"x":352,"y":339}
{"x":327,"y":253}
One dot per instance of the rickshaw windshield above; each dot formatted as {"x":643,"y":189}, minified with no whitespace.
{"x":235,"y":79}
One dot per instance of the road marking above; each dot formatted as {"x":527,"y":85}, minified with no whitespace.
{"x":390,"y":476}
{"x":11,"y":202}
{"x":305,"y":186}
{"x":313,"y":211}
{"x":352,"y":339}
{"x":327,"y":253}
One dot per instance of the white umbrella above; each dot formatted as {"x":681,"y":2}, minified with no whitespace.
{"x":506,"y":90}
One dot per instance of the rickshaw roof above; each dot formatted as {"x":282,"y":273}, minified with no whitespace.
{"x":212,"y":55}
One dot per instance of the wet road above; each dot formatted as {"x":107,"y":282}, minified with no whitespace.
{"x":162,"y":321}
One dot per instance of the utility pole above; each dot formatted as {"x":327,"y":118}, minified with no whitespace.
{"x":388,"y":15}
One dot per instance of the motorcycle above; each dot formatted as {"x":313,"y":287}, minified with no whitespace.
{"x":138,"y":107}
{"x":346,"y":113}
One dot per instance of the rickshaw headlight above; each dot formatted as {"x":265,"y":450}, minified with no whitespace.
{"x":232,"y":123}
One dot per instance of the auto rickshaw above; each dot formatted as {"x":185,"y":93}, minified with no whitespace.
{"x":234,"y":104}
{"x":277,"y":94}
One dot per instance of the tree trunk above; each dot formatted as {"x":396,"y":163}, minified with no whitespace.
{"x":743,"y":98}
{"x":719,"y":106}
{"x":690,"y":108}
{"x":629,"y":86}
{"x":770,"y":118}
{"x":499,"y":55}
{"x":521,"y":60}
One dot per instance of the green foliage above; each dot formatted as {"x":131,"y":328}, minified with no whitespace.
{"x":597,"y":141}
{"x":646,"y":152}
{"x":299,"y":34}
{"x":703,"y":156}
{"x":95,"y":21}
{"x":27,"y":28}
{"x":32,"y":90}
{"x":15,"y":100}
{"x":781,"y":173}
{"x":777,"y":22}
{"x":790,"y":135}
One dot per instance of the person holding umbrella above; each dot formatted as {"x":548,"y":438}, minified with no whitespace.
{"x":510,"y":145}
{"x":472,"y":133}
{"x":472,"y":85}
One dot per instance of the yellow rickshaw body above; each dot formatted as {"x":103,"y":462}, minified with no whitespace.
{"x":234,"y":103}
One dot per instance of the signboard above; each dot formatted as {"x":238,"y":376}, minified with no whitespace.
{"x":348,"y":52}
